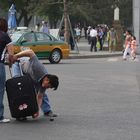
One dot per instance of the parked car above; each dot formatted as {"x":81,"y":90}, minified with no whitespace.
{"x":44,"y":45}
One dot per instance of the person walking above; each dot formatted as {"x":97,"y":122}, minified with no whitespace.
{"x":93,"y":38}
{"x":88,"y":34}
{"x":133,"y":47}
{"x":100,"y":37}
{"x":78,"y":33}
{"x":127,"y":45}
{"x":5,"y":45}
{"x":44,"y":27}
{"x":85,"y":31}
{"x":112,"y":38}
{"x":37,"y":27}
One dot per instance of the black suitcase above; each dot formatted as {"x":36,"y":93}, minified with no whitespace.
{"x":21,"y":96}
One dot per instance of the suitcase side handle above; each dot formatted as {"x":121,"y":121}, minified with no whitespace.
{"x":17,"y":66}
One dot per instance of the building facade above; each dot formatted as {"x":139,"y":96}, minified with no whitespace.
{"x":136,"y":19}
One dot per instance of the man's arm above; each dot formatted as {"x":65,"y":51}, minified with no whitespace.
{"x":10,"y":50}
{"x":39,"y":99}
{"x":25,"y":53}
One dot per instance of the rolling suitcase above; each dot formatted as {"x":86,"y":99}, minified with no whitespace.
{"x":21,"y":96}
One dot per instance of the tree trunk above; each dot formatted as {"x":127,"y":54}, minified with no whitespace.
{"x":66,"y":27}
{"x":27,"y":19}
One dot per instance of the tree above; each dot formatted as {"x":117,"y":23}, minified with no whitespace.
{"x":25,"y":9}
{"x":52,"y":9}
{"x":92,"y":12}
{"x":87,"y":12}
{"x":126,"y":12}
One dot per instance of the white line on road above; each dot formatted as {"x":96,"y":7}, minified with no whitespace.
{"x":120,"y":59}
{"x":113,"y":59}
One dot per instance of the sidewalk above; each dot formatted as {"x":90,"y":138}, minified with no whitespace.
{"x":83,"y":51}
{"x":86,"y":54}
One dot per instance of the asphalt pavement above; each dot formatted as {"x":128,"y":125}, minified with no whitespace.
{"x":97,"y":99}
{"x":92,"y":102}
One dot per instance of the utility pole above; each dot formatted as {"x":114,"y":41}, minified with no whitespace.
{"x":66,"y":26}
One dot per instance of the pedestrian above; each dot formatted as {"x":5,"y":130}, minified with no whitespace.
{"x":112,"y":38}
{"x":5,"y":45}
{"x":37,"y":27}
{"x":127,"y":45}
{"x":133,"y":47}
{"x":42,"y":80}
{"x":88,"y":34}
{"x":100,"y":37}
{"x":93,"y":39}
{"x":44,"y":27}
{"x":61,"y":33}
{"x":78,"y":33}
{"x":85,"y":31}
{"x":72,"y":42}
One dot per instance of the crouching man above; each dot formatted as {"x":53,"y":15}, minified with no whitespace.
{"x":42,"y":80}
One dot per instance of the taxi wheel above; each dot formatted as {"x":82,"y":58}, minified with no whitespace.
{"x":55,"y":56}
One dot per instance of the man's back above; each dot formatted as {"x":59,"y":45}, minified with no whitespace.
{"x":93,"y":33}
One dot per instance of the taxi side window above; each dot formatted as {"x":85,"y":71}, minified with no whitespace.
{"x":29,"y":37}
{"x":43,"y":37}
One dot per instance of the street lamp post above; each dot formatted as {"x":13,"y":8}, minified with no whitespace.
{"x":119,"y":30}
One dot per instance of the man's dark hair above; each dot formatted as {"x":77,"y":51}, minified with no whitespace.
{"x":3,"y":25}
{"x":93,"y":27}
{"x":54,"y":81}
{"x":129,"y":32}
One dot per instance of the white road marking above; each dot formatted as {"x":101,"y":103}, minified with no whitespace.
{"x":113,"y":59}
{"x":121,"y":59}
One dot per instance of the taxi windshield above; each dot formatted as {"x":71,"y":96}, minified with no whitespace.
{"x":15,"y":36}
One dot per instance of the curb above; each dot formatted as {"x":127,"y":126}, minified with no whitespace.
{"x":84,"y":56}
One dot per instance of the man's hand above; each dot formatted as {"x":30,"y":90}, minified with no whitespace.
{"x":11,"y":59}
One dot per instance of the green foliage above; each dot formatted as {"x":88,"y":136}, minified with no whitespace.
{"x":53,"y":9}
{"x":87,"y":12}
{"x":92,"y":12}
{"x":126,"y":12}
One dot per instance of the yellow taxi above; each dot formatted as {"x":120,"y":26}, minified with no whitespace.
{"x":44,"y":45}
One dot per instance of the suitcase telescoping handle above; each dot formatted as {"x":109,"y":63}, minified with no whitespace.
{"x":16,"y":67}
{"x":10,"y":70}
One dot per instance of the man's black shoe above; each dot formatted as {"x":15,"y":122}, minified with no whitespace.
{"x":50,"y":114}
